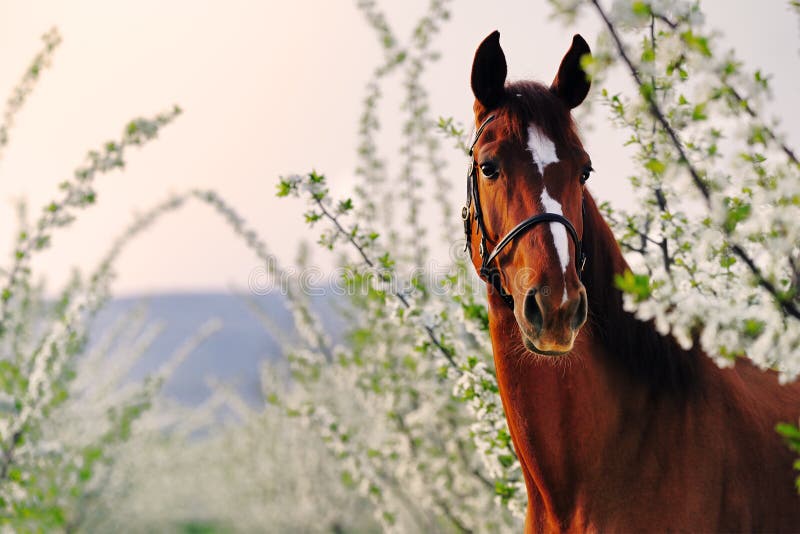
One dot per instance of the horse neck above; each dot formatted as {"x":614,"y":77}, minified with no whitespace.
{"x":564,"y":413}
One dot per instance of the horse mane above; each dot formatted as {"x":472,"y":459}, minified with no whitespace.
{"x":634,"y":344}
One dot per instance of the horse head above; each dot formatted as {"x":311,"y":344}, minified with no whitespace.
{"x":524,"y":213}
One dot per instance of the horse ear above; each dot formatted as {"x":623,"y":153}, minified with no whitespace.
{"x":489,"y":71}
{"x":571,"y":82}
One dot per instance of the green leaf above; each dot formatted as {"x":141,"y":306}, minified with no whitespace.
{"x":506,"y":460}
{"x":738,"y":212}
{"x":699,"y":113}
{"x":312,"y":216}
{"x":85,"y":474}
{"x":761,"y":79}
{"x":345,"y":205}
{"x":316,"y":178}
{"x":347,"y":480}
{"x":655,"y":166}
{"x":92,"y":454}
{"x":641,"y":9}
{"x":386,"y":261}
{"x":647,"y":91}
{"x":788,"y":431}
{"x":15,"y":474}
{"x":477,"y":312}
{"x":696,"y":42}
{"x":753,"y":327}
{"x":727,"y":261}
{"x":284,"y":188}
{"x":504,"y":491}
{"x":587,"y":63}
{"x":637,"y":285}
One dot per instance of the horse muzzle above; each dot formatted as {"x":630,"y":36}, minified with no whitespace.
{"x":550,"y":323}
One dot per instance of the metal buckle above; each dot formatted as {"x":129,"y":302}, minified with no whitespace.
{"x":467,"y":228}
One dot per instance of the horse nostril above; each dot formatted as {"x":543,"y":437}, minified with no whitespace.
{"x":581,"y":311}
{"x":533,"y":312}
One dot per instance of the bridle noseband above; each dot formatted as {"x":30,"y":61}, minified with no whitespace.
{"x":491,"y":275}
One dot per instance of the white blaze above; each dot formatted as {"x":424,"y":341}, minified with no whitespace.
{"x":542,"y":148}
{"x":558,"y":230}
{"x":559,"y":233}
{"x":543,"y":152}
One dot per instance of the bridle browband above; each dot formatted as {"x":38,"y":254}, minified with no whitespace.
{"x":491,"y":275}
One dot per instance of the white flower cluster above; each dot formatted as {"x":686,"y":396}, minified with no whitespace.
{"x":76,"y":194}
{"x":717,"y":237}
{"x":416,"y":372}
{"x":25,"y":86}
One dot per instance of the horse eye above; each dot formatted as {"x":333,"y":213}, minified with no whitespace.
{"x":587,"y":170}
{"x":489,"y":169}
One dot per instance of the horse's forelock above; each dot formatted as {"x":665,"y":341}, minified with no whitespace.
{"x":526,"y":103}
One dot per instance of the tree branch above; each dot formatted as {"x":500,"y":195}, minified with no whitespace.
{"x":767,"y":130}
{"x":654,"y":109}
{"x":428,"y":330}
{"x":738,"y":98}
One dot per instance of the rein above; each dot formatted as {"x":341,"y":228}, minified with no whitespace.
{"x":487,"y":271}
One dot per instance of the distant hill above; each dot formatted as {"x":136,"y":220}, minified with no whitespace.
{"x":233,"y":355}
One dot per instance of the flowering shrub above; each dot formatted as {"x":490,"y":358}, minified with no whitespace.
{"x":409,"y":403}
{"x":65,"y":412}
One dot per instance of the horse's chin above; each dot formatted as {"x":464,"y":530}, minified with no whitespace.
{"x":531,"y":346}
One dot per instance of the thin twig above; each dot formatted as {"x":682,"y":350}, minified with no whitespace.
{"x":654,"y":109}
{"x":739,"y":100}
{"x":767,"y":130}
{"x":431,"y":334}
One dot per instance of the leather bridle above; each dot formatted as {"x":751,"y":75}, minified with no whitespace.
{"x":487,"y":271}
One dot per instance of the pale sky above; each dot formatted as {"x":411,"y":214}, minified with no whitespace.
{"x":268,"y":88}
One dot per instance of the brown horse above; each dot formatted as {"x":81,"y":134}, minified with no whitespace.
{"x":616,"y":427}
